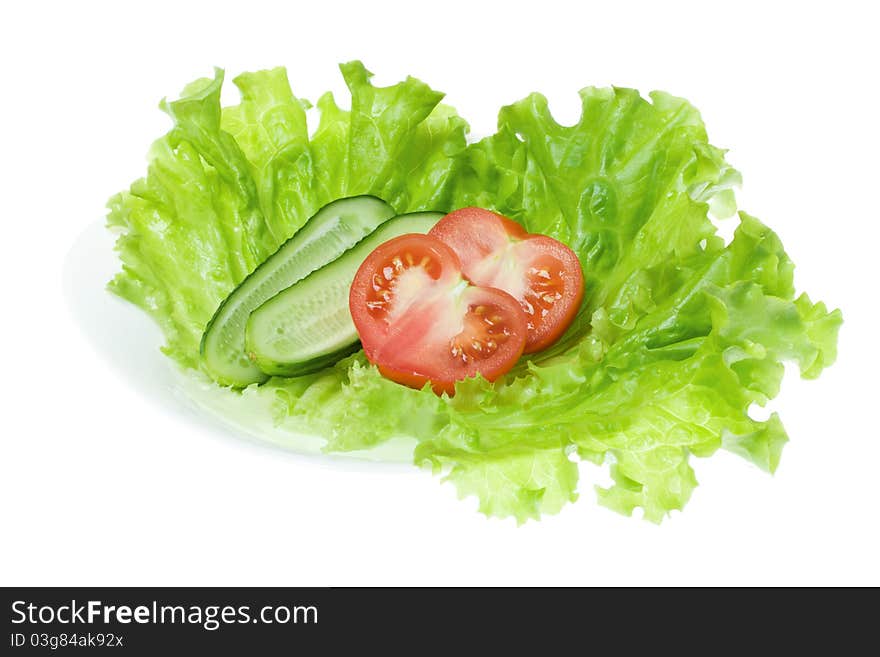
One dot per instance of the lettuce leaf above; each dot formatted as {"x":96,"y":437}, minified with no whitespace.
{"x":679,"y":334}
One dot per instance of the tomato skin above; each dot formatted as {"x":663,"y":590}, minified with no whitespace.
{"x":421,"y":322}
{"x":539,"y":271}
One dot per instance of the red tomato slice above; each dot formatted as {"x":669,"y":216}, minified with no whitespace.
{"x":420,"y":321}
{"x":543,"y":274}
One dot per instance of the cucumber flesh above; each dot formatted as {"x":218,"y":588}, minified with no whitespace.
{"x":308,"y":326}
{"x":330,"y":232}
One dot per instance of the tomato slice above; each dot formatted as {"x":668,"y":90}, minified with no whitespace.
{"x":420,"y":321}
{"x":543,"y":274}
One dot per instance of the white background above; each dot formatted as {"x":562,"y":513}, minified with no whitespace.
{"x":100,"y":485}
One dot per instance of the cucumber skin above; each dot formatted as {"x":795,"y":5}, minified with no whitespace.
{"x":291,"y":369}
{"x":260,"y":376}
{"x":285,"y":370}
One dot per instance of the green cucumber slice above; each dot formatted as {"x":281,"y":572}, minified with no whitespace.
{"x":332,"y":231}
{"x":308,"y":326}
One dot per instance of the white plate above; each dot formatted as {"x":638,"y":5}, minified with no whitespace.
{"x":129,"y":340}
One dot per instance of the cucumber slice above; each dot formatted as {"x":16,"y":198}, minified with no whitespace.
{"x":308,"y":326}
{"x":333,"y":230}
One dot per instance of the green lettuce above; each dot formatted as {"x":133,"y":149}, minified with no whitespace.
{"x":679,"y":334}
